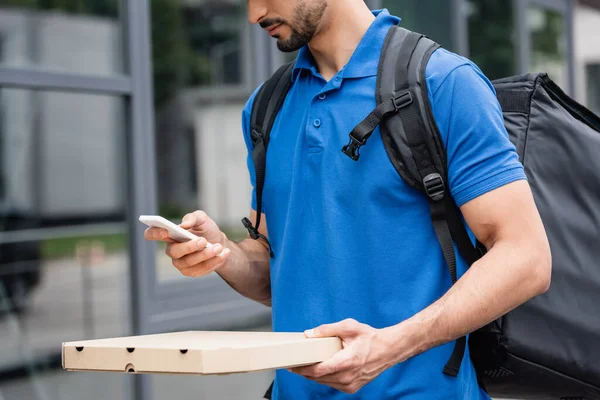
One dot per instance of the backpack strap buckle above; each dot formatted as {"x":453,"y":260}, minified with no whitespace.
{"x":362,"y":132}
{"x":252,"y":231}
{"x":352,"y":148}
{"x":434,"y":186}
{"x":256,"y":235}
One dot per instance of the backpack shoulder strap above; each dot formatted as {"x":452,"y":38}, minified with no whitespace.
{"x":265,"y":108}
{"x":413,"y":135}
{"x":413,"y":144}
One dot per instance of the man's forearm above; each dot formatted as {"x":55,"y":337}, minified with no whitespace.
{"x":247,"y":270}
{"x":502,"y":280}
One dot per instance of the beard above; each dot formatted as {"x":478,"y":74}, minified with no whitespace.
{"x":307,"y":18}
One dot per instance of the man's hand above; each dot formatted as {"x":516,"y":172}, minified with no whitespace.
{"x":245,"y":266}
{"x":193,"y":258}
{"x":365,"y":355}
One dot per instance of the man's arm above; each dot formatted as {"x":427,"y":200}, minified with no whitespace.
{"x":244,"y":266}
{"x":516,"y":268}
{"x":247,"y":269}
{"x":487,"y":181}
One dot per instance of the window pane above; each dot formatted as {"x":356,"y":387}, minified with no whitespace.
{"x":200,"y":55}
{"x":586,"y":22}
{"x":593,"y":87}
{"x":491,"y":37}
{"x":82,"y":36}
{"x":432,"y":18}
{"x":548,"y":43}
{"x":63,"y":154}
{"x":63,"y":243}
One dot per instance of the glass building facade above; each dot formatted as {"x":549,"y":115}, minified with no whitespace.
{"x":114,"y":108}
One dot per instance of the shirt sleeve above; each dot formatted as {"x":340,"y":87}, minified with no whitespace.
{"x":480,"y":156}
{"x":246,"y":129}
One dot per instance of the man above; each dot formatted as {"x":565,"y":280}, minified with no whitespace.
{"x":356,"y":255}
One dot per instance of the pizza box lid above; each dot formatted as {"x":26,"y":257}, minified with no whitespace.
{"x":198,"y":352}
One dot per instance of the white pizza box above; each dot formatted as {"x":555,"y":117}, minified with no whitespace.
{"x":198,"y":352}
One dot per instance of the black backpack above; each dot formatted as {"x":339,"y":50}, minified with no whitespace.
{"x":549,"y":347}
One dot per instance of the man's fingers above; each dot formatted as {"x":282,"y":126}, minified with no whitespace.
{"x":188,"y":221}
{"x":207,"y":266}
{"x":158,"y":234}
{"x":195,"y":219}
{"x":343,"y":329}
{"x":197,"y":257}
{"x":180,"y":250}
{"x":339,"y":362}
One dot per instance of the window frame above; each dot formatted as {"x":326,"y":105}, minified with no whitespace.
{"x":155,"y":306}
{"x":524,"y":45}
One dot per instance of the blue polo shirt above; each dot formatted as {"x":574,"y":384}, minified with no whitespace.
{"x":352,"y":239}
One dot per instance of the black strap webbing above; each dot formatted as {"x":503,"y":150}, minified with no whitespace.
{"x":446,"y":219}
{"x":269,"y":394}
{"x":406,"y":51}
{"x":401,"y":99}
{"x":460,"y":236}
{"x":261,"y":112}
{"x":442,"y":231}
{"x":440,"y":217}
{"x":515,"y":101}
{"x":363,"y":131}
{"x":266,"y":106}
{"x":449,"y":227}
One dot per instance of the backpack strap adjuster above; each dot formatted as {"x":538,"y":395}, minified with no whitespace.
{"x":402,"y":99}
{"x":434,"y":186}
{"x":256,"y":135}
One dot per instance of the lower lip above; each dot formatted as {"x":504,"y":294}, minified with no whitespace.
{"x":274,"y":31}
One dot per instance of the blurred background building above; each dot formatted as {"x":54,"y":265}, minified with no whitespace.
{"x":114,"y":108}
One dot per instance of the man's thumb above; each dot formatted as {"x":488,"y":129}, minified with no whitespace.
{"x":188,"y":221}
{"x":320,"y":331}
{"x":310,"y":333}
{"x":345,"y":328}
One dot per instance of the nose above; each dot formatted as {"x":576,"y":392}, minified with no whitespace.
{"x":256,"y":11}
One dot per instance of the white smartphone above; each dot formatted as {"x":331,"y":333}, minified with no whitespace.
{"x":176,"y":232}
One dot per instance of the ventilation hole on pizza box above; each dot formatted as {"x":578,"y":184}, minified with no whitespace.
{"x":130,"y":368}
{"x":130,"y":349}
{"x":183,"y":351}
{"x":79,"y":348}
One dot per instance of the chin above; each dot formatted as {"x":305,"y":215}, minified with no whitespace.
{"x":281,"y":37}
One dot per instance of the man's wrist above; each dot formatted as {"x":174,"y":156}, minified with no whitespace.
{"x":225,"y":269}
{"x":224,"y":240}
{"x":406,"y":340}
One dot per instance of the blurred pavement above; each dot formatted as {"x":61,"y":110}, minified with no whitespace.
{"x":56,"y":315}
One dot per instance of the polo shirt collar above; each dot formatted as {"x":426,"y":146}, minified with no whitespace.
{"x":362,"y":63}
